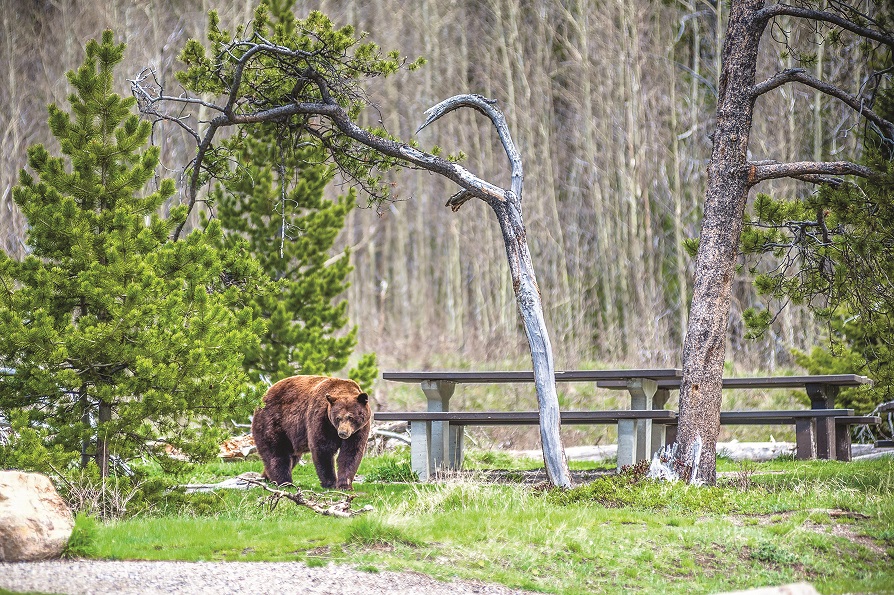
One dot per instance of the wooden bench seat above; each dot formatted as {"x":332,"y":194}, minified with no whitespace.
{"x":805,"y":421}
{"x":423,"y":439}
{"x":821,"y":389}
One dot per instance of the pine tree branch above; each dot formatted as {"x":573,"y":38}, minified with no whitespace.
{"x":800,"y":75}
{"x":810,"y":171}
{"x":881,"y":36}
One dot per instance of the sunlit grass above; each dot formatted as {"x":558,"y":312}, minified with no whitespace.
{"x":828,"y":523}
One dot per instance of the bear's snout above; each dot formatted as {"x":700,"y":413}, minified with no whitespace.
{"x":345,"y":430}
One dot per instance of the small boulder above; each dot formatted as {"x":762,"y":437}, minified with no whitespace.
{"x":35,"y":523}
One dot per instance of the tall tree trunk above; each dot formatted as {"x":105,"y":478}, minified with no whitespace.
{"x":728,"y":185}
{"x":84,"y":405}
{"x":102,"y":438}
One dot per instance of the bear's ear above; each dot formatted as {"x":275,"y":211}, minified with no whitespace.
{"x":330,"y":398}
{"x":363,"y":398}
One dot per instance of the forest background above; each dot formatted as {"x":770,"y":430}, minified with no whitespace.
{"x":611,"y":104}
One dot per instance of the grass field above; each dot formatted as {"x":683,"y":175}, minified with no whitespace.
{"x":828,"y":523}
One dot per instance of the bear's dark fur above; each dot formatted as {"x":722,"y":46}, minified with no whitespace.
{"x":314,"y":414}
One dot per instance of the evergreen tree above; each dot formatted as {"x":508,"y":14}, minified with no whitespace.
{"x":834,"y":251}
{"x":275,"y":201}
{"x":114,"y":338}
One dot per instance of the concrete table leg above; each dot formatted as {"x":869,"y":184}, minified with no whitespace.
{"x":822,"y":396}
{"x":438,"y":394}
{"x":635,"y":436}
{"x":420,"y":456}
{"x":659,"y":431}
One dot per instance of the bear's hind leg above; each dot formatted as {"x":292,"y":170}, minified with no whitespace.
{"x":278,"y":469}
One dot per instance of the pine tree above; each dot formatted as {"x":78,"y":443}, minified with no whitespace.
{"x":834,"y":252}
{"x":115,"y":339}
{"x":275,"y":200}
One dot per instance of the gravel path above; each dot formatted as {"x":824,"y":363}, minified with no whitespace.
{"x":100,"y":577}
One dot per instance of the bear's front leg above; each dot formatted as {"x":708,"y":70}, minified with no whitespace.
{"x":349,"y":456}
{"x":324,"y":461}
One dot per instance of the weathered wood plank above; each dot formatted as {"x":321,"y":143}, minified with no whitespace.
{"x":526,"y":417}
{"x":768,"y":382}
{"x":493,"y":377}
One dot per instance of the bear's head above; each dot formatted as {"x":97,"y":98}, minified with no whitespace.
{"x":348,"y":408}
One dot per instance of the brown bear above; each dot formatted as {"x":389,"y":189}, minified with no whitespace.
{"x":314,"y":414}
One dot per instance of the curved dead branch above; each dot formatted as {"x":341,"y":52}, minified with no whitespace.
{"x":488,"y":108}
{"x":878,"y":35}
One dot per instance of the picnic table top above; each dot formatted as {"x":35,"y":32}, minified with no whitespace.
{"x":527,"y":417}
{"x":764,"y":381}
{"x":570,"y":417}
{"x":467,"y":377}
{"x":665,"y":377}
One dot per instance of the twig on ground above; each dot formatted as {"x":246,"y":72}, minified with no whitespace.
{"x":340,"y":508}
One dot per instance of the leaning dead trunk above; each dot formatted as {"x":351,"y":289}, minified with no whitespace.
{"x":508,"y":209}
{"x":527,"y":296}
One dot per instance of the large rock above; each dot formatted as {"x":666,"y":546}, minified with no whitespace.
{"x":35,"y":523}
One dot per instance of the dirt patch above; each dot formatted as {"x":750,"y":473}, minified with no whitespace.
{"x":848,"y":531}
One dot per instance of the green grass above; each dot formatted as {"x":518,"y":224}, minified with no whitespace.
{"x":828,"y":523}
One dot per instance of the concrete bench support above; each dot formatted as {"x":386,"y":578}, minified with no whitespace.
{"x":635,"y":435}
{"x":437,"y":448}
{"x":822,"y":396}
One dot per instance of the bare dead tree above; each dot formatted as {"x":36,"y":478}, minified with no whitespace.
{"x":323,"y":97}
{"x":730,"y":177}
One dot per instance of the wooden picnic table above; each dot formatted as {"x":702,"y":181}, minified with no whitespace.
{"x":437,"y":434}
{"x":440,"y":445}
